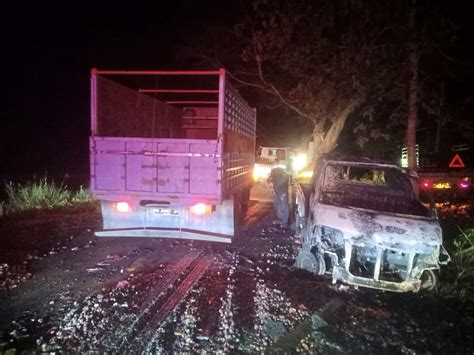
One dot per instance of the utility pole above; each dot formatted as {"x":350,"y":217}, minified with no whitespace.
{"x":412,"y":95}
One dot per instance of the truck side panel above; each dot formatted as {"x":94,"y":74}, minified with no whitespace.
{"x":239,"y":142}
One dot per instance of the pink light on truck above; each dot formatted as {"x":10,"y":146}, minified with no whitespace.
{"x":201,"y":209}
{"x":123,"y":207}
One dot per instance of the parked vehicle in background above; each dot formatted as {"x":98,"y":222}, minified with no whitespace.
{"x":264,"y":160}
{"x":266,"y":156}
{"x":444,"y":175}
{"x":172,"y":153}
{"x":447,"y":175}
{"x":360,"y":222}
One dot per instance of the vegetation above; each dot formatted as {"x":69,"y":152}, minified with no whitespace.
{"x":41,"y":194}
{"x":358,"y":66}
{"x":308,"y":58}
{"x":460,"y":272}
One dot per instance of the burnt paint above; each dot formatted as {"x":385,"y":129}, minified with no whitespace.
{"x":363,"y":222}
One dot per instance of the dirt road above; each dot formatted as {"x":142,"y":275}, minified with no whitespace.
{"x":69,"y":291}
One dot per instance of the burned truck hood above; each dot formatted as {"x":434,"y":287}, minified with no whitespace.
{"x":398,"y":232}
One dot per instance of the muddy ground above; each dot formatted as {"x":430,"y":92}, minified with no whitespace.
{"x":62,"y":289}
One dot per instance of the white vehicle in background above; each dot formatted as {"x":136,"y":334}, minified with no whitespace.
{"x":266,"y":157}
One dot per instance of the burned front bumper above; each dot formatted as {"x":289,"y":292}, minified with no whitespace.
{"x":384,"y":269}
{"x":340,"y":273}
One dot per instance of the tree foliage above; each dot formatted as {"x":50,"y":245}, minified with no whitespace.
{"x":326,"y":59}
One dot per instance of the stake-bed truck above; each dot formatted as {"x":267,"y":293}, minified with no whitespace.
{"x":171,"y":153}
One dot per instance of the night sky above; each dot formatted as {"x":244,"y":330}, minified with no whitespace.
{"x":49,"y":49}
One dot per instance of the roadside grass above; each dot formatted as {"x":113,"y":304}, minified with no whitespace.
{"x":41,"y":194}
{"x":460,"y":271}
{"x":82,"y":195}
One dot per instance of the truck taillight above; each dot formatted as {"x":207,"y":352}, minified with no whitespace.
{"x":201,"y":209}
{"x":123,"y":207}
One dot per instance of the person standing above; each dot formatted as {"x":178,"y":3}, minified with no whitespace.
{"x":280,"y":178}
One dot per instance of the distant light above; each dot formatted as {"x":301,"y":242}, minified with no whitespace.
{"x":425,"y":184}
{"x":261,"y":172}
{"x":201,"y":209}
{"x":464,"y":185}
{"x":442,"y":185}
{"x":123,"y":207}
{"x":299,"y":162}
{"x":306,"y":174}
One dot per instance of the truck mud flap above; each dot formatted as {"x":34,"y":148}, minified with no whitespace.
{"x":176,"y":233}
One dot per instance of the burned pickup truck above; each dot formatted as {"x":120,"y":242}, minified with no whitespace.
{"x":360,"y":221}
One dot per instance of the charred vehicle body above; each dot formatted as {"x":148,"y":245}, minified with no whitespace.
{"x":359,"y":220}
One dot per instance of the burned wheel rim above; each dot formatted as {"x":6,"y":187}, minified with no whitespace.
{"x":300,"y":224}
{"x":311,"y":262}
{"x":429,"y":280}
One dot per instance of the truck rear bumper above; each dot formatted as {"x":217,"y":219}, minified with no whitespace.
{"x":178,"y":233}
{"x":168,"y":222}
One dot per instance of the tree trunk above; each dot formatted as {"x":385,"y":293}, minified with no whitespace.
{"x":412,"y":109}
{"x":326,"y":142}
{"x":412,"y":100}
{"x":318,"y":139}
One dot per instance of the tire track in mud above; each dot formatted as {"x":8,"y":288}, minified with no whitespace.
{"x":99,"y":321}
{"x":150,"y":319}
{"x":155,"y":292}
